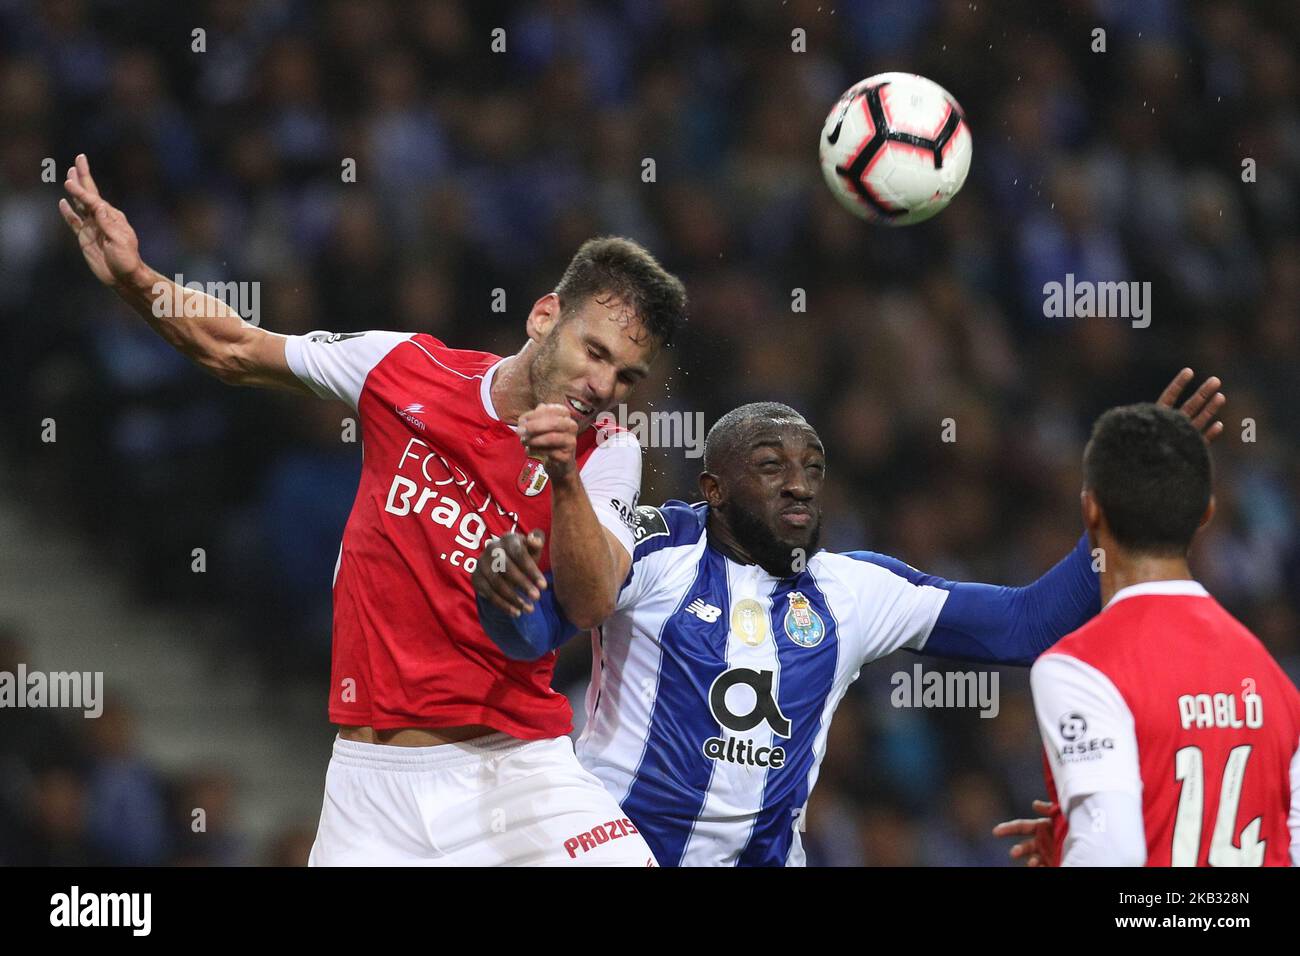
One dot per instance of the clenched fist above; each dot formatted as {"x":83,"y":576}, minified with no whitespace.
{"x":549,"y":432}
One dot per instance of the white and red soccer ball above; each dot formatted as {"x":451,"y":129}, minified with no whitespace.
{"x":895,"y":149}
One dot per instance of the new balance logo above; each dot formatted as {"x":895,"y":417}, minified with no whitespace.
{"x":705,"y":612}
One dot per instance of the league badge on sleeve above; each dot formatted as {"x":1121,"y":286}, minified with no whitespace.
{"x":533,"y":478}
{"x":803,"y":625}
{"x":650,"y":523}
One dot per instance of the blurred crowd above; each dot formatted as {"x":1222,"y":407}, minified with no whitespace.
{"x":479,"y":171}
{"x":78,"y":792}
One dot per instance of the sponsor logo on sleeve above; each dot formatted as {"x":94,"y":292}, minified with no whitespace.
{"x":626,"y":513}
{"x":1078,"y":747}
{"x":329,"y":338}
{"x":1073,"y":726}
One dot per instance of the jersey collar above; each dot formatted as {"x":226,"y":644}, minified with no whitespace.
{"x":1184,"y":588}
{"x":485,"y":391}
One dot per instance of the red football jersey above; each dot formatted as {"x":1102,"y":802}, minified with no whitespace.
{"x":1166,"y":695}
{"x":441,"y":475}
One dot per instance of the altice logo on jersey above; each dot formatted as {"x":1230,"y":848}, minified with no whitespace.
{"x":215,"y":299}
{"x":655,"y":429}
{"x":943,"y":689}
{"x":74,"y":690}
{"x":741,"y":699}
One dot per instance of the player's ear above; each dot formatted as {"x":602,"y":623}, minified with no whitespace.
{"x":1091,"y":511}
{"x":543,"y":317}
{"x":711,"y":489}
{"x":1209,"y":514}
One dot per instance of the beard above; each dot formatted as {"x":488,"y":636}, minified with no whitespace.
{"x":769,"y":552}
{"x":541,"y":373}
{"x":546,"y":379}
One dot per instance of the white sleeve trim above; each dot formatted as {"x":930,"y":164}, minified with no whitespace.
{"x":1087,"y":728}
{"x":611,"y":476}
{"x":336,"y":364}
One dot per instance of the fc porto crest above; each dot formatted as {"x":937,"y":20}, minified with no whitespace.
{"x":533,"y":478}
{"x":803,"y":625}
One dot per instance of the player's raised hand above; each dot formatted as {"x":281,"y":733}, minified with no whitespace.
{"x":107,"y":240}
{"x":550,"y":433}
{"x":507,"y":574}
{"x":1202,"y":407}
{"x":1040,"y":848}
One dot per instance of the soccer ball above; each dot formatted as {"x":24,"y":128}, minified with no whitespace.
{"x":895,"y":149}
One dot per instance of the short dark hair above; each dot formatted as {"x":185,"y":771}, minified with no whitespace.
{"x":1149,"y":469}
{"x":622,"y":268}
{"x":727,"y":431}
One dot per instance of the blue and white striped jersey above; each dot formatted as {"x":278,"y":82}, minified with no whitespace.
{"x":714,"y":684}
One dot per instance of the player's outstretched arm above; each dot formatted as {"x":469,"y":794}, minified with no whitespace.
{"x":987,"y":623}
{"x":199,"y":326}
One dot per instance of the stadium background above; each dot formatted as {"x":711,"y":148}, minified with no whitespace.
{"x":480,"y":171}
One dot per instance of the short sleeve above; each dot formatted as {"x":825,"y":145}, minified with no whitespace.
{"x":1087,"y":728}
{"x":336,"y":364}
{"x":611,"y":476}
{"x":889,"y":611}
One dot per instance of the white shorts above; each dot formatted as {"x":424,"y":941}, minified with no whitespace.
{"x":492,"y":801}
